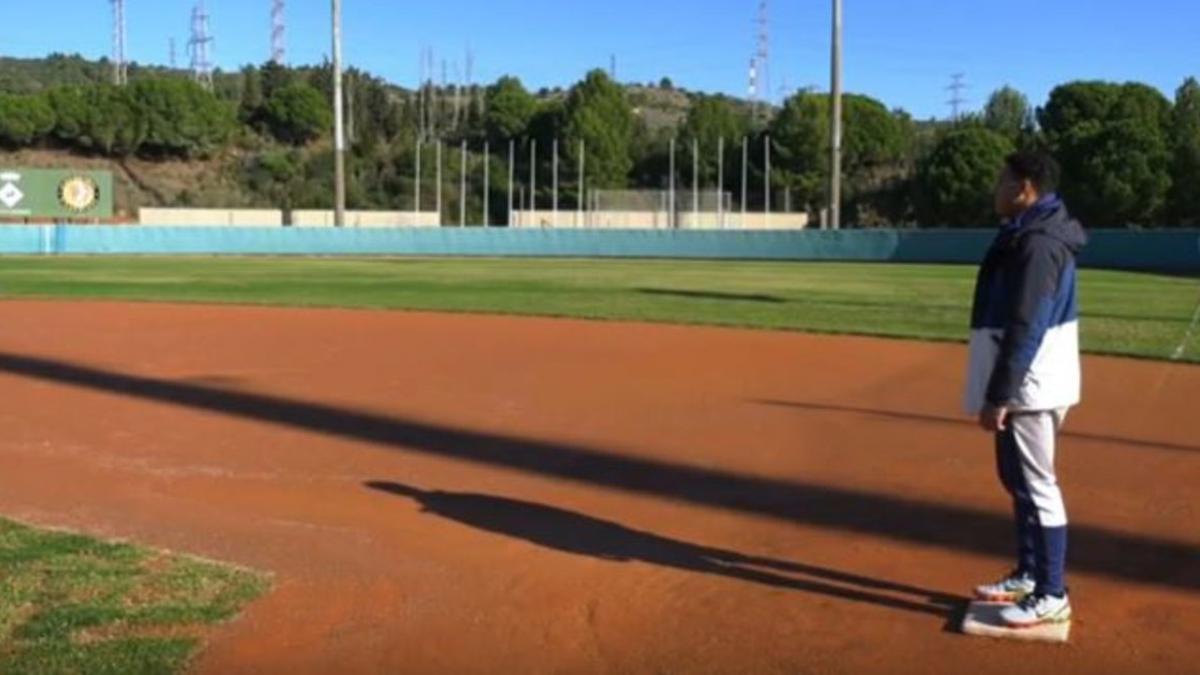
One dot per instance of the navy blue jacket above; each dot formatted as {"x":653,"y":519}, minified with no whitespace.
{"x":1024,"y":323}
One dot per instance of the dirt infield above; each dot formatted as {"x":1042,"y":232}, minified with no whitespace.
{"x":481,"y":494}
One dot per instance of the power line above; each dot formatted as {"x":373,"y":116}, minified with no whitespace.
{"x":760,"y":63}
{"x":199,"y":44}
{"x":120,"y":67}
{"x":957,"y":86}
{"x":278,"y":33}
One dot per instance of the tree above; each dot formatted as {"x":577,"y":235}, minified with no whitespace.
{"x":548,"y":123}
{"x":70,"y":105}
{"x":1008,"y":113}
{"x":800,"y":135}
{"x":252,"y":95}
{"x":376,"y":110}
{"x":116,"y":125}
{"x":875,"y":140}
{"x":1111,"y":140}
{"x":181,"y":118}
{"x":710,"y":119}
{"x":24,"y":120}
{"x":509,"y":110}
{"x":297,"y":114}
{"x":273,"y":175}
{"x":274,"y":77}
{"x":955,"y":183}
{"x":1185,"y":164}
{"x":598,"y":114}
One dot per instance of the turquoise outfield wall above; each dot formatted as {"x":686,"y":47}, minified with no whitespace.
{"x":1175,"y":251}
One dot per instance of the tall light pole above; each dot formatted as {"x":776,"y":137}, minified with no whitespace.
{"x":835,"y":116}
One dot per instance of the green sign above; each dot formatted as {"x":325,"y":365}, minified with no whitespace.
{"x":41,"y":193}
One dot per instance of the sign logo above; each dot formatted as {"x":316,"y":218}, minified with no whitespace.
{"x":10,"y":194}
{"x":78,"y":193}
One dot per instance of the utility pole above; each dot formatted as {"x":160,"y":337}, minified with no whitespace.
{"x":339,"y":122}
{"x":721,"y":182}
{"x":439,"y":182}
{"x":835,"y":116}
{"x":760,"y":63}
{"x":512,"y":170}
{"x":582,"y":184}
{"x":767,"y":181}
{"x":695,"y":183}
{"x":199,"y":46}
{"x":745,"y":176}
{"x":462,"y":188}
{"x":554,"y":170}
{"x":278,"y":33}
{"x":956,"y":88}
{"x":120,"y":67}
{"x":533,"y":178}
{"x":671,"y":218}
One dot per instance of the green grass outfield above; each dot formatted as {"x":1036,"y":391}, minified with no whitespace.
{"x":1124,"y":313}
{"x":71,"y":604}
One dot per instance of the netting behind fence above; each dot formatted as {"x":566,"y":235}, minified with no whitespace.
{"x":659,"y":200}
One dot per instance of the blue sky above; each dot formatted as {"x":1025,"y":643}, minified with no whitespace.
{"x":900,"y":51}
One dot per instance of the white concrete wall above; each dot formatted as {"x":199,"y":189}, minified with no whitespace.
{"x":211,"y":217}
{"x":642,"y":220}
{"x":751,"y":221}
{"x":649,"y":220}
{"x":367,"y":219}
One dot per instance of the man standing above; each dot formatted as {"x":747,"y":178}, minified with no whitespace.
{"x":1024,"y":375}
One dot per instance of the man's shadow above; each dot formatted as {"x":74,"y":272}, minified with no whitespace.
{"x":576,"y":533}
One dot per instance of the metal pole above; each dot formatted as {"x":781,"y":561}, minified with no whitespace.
{"x":417,"y":186}
{"x":767,"y":182}
{"x":579,"y":216}
{"x":439,"y":182}
{"x":745,"y":176}
{"x":671,"y":213}
{"x":721,"y":182}
{"x":487,"y":183}
{"x":462,"y":188}
{"x":533,"y":179}
{"x":512,"y":170}
{"x":695,"y":183}
{"x":339,"y":123}
{"x":835,"y":174}
{"x":554,"y":220}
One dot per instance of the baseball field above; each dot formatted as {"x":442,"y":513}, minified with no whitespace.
{"x":570,"y":466}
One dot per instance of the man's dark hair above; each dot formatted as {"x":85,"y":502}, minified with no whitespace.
{"x":1036,"y":167}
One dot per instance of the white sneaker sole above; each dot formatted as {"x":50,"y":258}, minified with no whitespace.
{"x":1007,"y":598}
{"x":1062,"y":617}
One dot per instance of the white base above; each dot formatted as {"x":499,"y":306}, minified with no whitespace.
{"x":983,"y":619}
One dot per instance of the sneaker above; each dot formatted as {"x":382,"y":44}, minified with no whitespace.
{"x":1037,"y":610}
{"x":1012,"y":588}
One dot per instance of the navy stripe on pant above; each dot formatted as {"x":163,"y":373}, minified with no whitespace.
{"x":1025,"y":461}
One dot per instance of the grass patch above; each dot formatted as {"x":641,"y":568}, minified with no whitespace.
{"x":1124,"y":313}
{"x":73,"y":604}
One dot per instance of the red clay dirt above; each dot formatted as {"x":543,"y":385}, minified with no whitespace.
{"x":468,"y":494}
